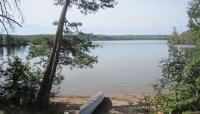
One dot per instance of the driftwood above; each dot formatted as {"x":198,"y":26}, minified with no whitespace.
{"x":92,"y":104}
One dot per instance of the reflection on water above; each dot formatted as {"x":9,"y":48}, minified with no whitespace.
{"x":20,"y":51}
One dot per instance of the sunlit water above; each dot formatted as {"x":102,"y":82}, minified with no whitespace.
{"x":123,"y":68}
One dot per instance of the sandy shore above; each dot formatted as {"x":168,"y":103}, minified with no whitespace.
{"x":118,"y":104}
{"x":116,"y":100}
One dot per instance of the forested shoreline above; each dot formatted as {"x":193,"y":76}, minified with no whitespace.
{"x":27,"y":87}
{"x":19,"y":40}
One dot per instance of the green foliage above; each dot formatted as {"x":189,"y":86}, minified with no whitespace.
{"x":7,"y":40}
{"x":178,"y":89}
{"x":194,"y":15}
{"x":38,"y":39}
{"x":18,"y":40}
{"x":88,"y":6}
{"x":74,"y":51}
{"x":19,"y":84}
{"x":189,"y":37}
{"x":147,"y":105}
{"x":128,"y":37}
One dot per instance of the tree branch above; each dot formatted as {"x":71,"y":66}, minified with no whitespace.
{"x":8,"y":18}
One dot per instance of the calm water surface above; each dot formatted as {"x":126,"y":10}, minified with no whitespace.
{"x":123,"y":68}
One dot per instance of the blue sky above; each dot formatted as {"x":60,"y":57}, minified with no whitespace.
{"x":128,"y":17}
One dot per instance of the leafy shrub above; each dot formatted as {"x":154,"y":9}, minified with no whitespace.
{"x":19,"y":84}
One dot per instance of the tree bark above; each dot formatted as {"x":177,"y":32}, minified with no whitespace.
{"x":47,"y":82}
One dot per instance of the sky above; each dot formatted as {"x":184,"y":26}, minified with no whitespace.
{"x":129,"y":17}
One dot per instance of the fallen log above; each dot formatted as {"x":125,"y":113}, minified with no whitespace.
{"x":92,"y":104}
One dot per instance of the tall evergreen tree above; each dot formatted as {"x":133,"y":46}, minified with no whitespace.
{"x":85,"y":7}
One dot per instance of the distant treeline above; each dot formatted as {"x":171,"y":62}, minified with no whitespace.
{"x":7,"y":40}
{"x":129,"y":37}
{"x":17,"y":40}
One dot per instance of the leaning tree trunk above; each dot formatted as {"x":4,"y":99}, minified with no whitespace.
{"x":47,"y":82}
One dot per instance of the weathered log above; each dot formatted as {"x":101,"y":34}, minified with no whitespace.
{"x":92,"y":104}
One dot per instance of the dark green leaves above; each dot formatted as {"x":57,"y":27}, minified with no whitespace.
{"x":19,"y":83}
{"x":194,"y":14}
{"x":74,"y":51}
{"x":178,"y":89}
{"x":89,"y":6}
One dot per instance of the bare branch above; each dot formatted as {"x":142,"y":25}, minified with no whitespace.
{"x":8,"y":11}
{"x":11,"y":20}
{"x":4,"y":26}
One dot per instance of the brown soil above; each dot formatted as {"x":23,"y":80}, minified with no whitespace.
{"x":111,"y":105}
{"x":116,"y":100}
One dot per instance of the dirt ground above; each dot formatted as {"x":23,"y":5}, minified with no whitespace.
{"x":110,"y":105}
{"x":116,"y":100}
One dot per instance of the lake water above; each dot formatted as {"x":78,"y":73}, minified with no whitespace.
{"x":123,"y":68}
